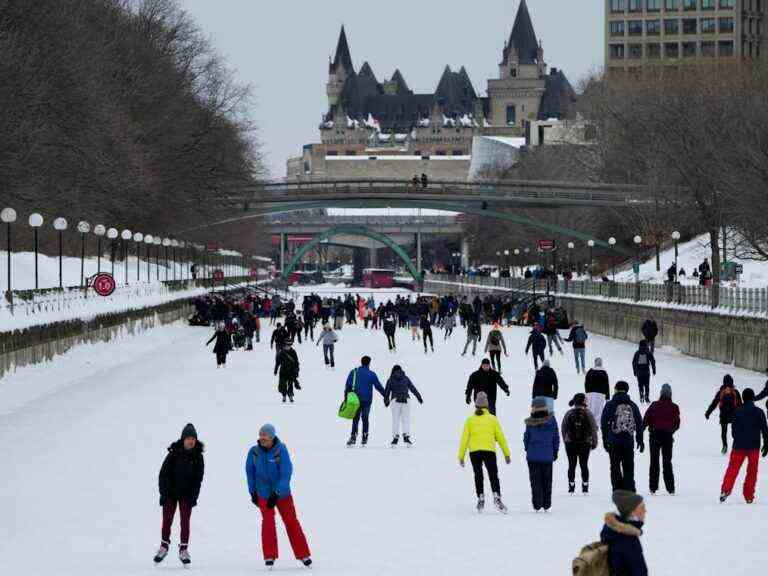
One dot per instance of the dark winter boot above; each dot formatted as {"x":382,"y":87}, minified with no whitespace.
{"x":296,"y":385}
{"x":307,"y":561}
{"x":365,"y":439}
{"x":395,"y":441}
{"x":162,"y":552}
{"x":269,"y":563}
{"x":407,"y":440}
{"x":499,"y":504}
{"x":725,"y":449}
{"x":352,"y":440}
{"x":724,"y":497}
{"x":585,"y":487}
{"x":571,"y":487}
{"x":184,"y":555}
{"x":283,"y":399}
{"x":291,"y":399}
{"x":481,"y":503}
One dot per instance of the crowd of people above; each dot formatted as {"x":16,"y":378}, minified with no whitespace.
{"x":594,"y":414}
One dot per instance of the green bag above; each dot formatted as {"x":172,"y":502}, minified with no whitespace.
{"x":351,"y":404}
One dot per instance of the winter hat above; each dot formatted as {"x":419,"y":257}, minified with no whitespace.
{"x":666,"y":392}
{"x":598,"y":362}
{"x":538,"y":404}
{"x":485,"y":361}
{"x":496,"y":325}
{"x":546,"y":363}
{"x":626,"y":502}
{"x":189,"y":432}
{"x":268,"y":430}
{"x":748,"y":395}
{"x":728,"y":380}
{"x":622,"y":386}
{"x":578,"y":400}
{"x":481,"y":400}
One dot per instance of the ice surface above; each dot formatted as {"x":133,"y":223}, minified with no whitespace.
{"x":82,"y":440}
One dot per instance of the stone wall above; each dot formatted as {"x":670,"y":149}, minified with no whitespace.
{"x":339,"y":168}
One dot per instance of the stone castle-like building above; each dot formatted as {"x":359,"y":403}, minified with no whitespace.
{"x":382,"y":129}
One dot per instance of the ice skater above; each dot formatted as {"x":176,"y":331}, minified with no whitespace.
{"x":223,"y":345}
{"x":328,"y":338}
{"x":287,"y":364}
{"x":398,"y":390}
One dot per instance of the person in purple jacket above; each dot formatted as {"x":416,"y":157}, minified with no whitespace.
{"x":542,"y":444}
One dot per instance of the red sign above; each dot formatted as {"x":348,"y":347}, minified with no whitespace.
{"x":103,"y":284}
{"x":546,"y":245}
{"x":212,"y":246}
{"x":292,"y":239}
{"x":218,"y":274}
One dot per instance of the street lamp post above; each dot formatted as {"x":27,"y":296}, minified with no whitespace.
{"x":100,"y":231}
{"x":148,"y":240}
{"x":517,"y":260}
{"x":174,"y":244}
{"x":35,"y":221}
{"x":83,"y":227}
{"x":638,"y":240}
{"x":138,"y":237}
{"x":166,"y":244}
{"x":112,"y":234}
{"x":591,"y":244}
{"x":676,"y":238}
{"x":60,"y":224}
{"x":158,"y":242}
{"x":8,"y":216}
{"x":126,"y":235}
{"x":612,"y":243}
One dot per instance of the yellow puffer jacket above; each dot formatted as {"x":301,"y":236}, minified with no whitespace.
{"x":482,"y":433}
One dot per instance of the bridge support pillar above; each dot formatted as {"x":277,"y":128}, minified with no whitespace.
{"x":419,"y":263}
{"x":464,"y":253}
{"x":373,"y":259}
{"x":282,"y":253}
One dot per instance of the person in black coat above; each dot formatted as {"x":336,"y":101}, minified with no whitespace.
{"x":622,"y":427}
{"x":728,"y":400}
{"x":642,"y":364}
{"x":485,"y":380}
{"x":597,"y":388}
{"x":287,"y":363}
{"x":181,"y":476}
{"x":650,"y":330}
{"x":622,"y":532}
{"x":545,"y":386}
{"x":538,"y":344}
{"x":223,"y":345}
{"x":426,"y":332}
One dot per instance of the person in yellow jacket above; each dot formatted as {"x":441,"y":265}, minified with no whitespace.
{"x":482,"y":432}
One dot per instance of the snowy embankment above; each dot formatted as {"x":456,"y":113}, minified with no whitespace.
{"x":84,"y":438}
{"x":329,"y":290}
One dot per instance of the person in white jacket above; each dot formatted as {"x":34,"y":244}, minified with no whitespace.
{"x":329,"y":338}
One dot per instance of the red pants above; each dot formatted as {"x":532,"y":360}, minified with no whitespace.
{"x":269,"y":531}
{"x":169,"y":511}
{"x":734,"y":467}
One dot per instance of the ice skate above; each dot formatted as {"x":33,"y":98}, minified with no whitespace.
{"x":395,"y":440}
{"x":499,"y":504}
{"x":407,"y":440}
{"x":480,"y":503}
{"x":352,"y":441}
{"x":184,"y":556}
{"x":162,"y":552}
{"x":571,"y":487}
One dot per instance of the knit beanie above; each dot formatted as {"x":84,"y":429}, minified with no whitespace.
{"x":538,"y":404}
{"x":666,"y":392}
{"x":598,"y":362}
{"x":481,"y":400}
{"x":626,"y":502}
{"x":748,"y":395}
{"x":189,"y":432}
{"x":267,"y":430}
{"x":622,"y":386}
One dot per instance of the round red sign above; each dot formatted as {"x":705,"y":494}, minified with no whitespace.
{"x":218,"y":274}
{"x":103,"y":284}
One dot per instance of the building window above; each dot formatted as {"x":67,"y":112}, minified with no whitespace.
{"x":689,"y":49}
{"x":617,"y":51}
{"x":332,"y":153}
{"x":690,"y":26}
{"x":617,"y":6}
{"x":672,"y":27}
{"x":635,"y":5}
{"x":708,"y":4}
{"x":725,"y":48}
{"x":725,"y":4}
{"x":708,"y":49}
{"x":458,"y":152}
{"x":635,"y":27}
{"x":653,"y":5}
{"x":617,"y":28}
{"x":671,"y":50}
{"x":690,"y":4}
{"x":726,"y":25}
{"x":635,"y":51}
{"x":672,"y":5}
{"x":441,"y":153}
{"x":708,"y":25}
{"x":511,"y":116}
{"x":652,"y":27}
{"x":653,"y":51}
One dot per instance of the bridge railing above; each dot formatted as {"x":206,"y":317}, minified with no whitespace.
{"x":722,"y":299}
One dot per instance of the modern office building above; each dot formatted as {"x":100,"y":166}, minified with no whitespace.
{"x":641,"y":33}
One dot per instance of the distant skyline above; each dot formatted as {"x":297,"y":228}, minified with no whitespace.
{"x":282,"y":49}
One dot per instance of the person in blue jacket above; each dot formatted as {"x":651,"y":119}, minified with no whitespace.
{"x":542,"y":444}
{"x":622,"y":532}
{"x":362,"y":380}
{"x":622,"y":426}
{"x":538,"y":343}
{"x":268,"y":470}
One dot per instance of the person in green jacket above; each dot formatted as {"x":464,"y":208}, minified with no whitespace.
{"x":481,"y":433}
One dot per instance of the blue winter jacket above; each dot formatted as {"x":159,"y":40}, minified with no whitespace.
{"x":748,"y":425}
{"x":541,"y":439}
{"x":269,"y":471}
{"x":609,"y":421}
{"x":399,"y":387}
{"x":536,"y":341}
{"x":366,"y":382}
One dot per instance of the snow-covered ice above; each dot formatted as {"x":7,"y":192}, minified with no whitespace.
{"x":82,"y":440}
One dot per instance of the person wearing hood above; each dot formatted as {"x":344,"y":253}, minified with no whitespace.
{"x":480,"y":435}
{"x":486,"y":380}
{"x":622,"y":426}
{"x":329,"y":338}
{"x":181,"y":476}
{"x":542,"y":444}
{"x":622,"y":532}
{"x":223,"y":345}
{"x":727,"y":400}
{"x":494,"y":345}
{"x":268,"y":471}
{"x":398,"y":388}
{"x":597,"y":388}
{"x":642,"y":364}
{"x":545,"y":386}
{"x":579,"y":430}
{"x":662,"y":419}
{"x":287,"y":364}
{"x":650,"y":330}
{"x":749,"y":428}
{"x":578,"y":338}
{"x":537,"y":343}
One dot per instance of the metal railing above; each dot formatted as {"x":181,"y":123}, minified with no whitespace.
{"x":721,"y":298}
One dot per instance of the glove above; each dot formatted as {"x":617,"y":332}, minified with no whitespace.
{"x":296,"y":385}
{"x":272,"y":500}
{"x":641,"y":447}
{"x":765,"y":450}
{"x":255,"y":498}
{"x":421,"y":401}
{"x":468,"y":400}
{"x":386,"y":403}
{"x":507,"y":392}
{"x":706,"y":415}
{"x":507,"y":459}
{"x":461,"y":463}
{"x":162,"y":500}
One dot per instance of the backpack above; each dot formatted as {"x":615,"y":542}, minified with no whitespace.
{"x":580,"y":336}
{"x":552,"y":323}
{"x":349,"y":408}
{"x":624,"y":420}
{"x":579,"y":428}
{"x":592,"y":561}
{"x":642,"y":359}
{"x":728,"y":401}
{"x":495,"y":340}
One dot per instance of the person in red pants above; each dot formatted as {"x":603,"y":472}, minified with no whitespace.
{"x":180,"y":479}
{"x":749,"y":424}
{"x":268,"y":469}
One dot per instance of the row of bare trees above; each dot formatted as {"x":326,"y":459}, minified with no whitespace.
{"x":121,"y":112}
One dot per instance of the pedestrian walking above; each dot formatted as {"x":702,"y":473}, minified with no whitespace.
{"x":481,"y":433}
{"x":494,"y":345}
{"x":621,"y":533}
{"x":485,"y":380}
{"x":542,"y":444}
{"x":268,"y":470}
{"x":181,"y":476}
{"x":397,"y":391}
{"x":537,"y":344}
{"x":642,"y":364}
{"x":662,"y":419}
{"x":328,"y":338}
{"x":622,"y":427}
{"x":474,"y":335}
{"x":223,"y":345}
{"x":546,"y":386}
{"x":579,"y":431}
{"x":597,"y":388}
{"x":727,"y":401}
{"x":650,"y":330}
{"x":578,"y":338}
{"x":362,"y":380}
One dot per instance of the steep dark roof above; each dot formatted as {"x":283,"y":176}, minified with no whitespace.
{"x":366,"y":70}
{"x":523,"y":37}
{"x":402,"y":86}
{"x":343,"y":57}
{"x":401,"y":111}
{"x":559,"y":97}
{"x":455,"y":92}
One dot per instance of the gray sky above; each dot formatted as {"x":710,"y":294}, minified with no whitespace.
{"x":282,"y":48}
